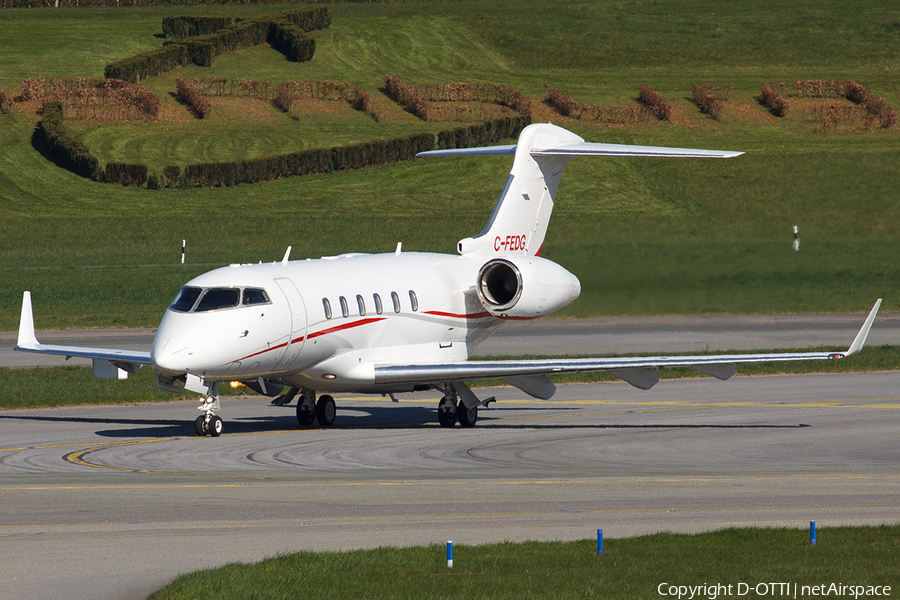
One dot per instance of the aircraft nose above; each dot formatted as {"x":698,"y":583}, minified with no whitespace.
{"x":169,"y":354}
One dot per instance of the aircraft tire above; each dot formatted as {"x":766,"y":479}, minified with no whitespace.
{"x":305,"y":417}
{"x":325,"y":411}
{"x":215,"y":426}
{"x":200,"y":426}
{"x":467,"y":416}
{"x":446,"y":419}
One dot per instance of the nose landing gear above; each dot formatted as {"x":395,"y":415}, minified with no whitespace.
{"x":209,"y":422}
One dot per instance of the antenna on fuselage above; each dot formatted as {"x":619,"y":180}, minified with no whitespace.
{"x":397,"y":251}
{"x":287,"y":255}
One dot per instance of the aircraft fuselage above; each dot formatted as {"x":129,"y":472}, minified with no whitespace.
{"x":325,"y":324}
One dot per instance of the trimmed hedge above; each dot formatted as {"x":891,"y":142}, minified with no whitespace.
{"x":286,"y":93}
{"x":148,"y":64}
{"x":291,"y":41}
{"x":710,"y":97}
{"x":187,"y":92}
{"x":483,"y":134}
{"x":417,"y":99}
{"x":52,"y":140}
{"x":306,"y":162}
{"x":611,"y":115}
{"x":661,"y":108}
{"x":308,"y":18}
{"x":407,"y":97}
{"x":94,"y":99}
{"x":126,"y":173}
{"x":241,"y":33}
{"x":171,"y":175}
{"x":187,"y":27}
{"x":327,"y":160}
{"x":778,"y":104}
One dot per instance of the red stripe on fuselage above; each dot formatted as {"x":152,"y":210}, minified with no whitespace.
{"x":343,"y":327}
{"x":263,"y":351}
{"x":438,"y":313}
{"x":315,"y":335}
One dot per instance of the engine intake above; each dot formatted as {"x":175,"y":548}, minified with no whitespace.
{"x":500,"y":284}
{"x":525,"y":287}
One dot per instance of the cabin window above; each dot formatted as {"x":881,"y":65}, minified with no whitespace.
{"x":361,"y":304}
{"x":253,"y":296}
{"x":378,"y":308}
{"x":186,"y":299}
{"x":413,"y":301}
{"x":396,"y":300}
{"x":218,"y":298}
{"x":327,"y":305}
{"x":345,"y":310}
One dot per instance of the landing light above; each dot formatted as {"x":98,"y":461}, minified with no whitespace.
{"x":329,"y":376}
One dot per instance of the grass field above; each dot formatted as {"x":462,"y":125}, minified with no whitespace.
{"x":643,"y":236}
{"x":629,"y":568}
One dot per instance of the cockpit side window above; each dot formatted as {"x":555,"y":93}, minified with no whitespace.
{"x":186,"y":299}
{"x":255,"y":296}
{"x":218,"y":298}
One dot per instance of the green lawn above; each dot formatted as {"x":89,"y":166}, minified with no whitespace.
{"x":643,"y":236}
{"x":629,"y":568}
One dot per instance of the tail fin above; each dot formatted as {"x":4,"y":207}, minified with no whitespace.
{"x":519,"y":221}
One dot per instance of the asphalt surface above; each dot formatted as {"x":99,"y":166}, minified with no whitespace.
{"x":113,"y":502}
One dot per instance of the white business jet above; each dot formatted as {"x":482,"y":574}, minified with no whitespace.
{"x":396,"y":322}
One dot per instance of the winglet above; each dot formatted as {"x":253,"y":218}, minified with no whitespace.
{"x":27,"y":338}
{"x":860,"y":340}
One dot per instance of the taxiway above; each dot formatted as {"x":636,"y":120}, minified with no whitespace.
{"x":113,"y":502}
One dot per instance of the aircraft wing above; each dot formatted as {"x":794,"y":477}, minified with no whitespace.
{"x":127,"y":360}
{"x":638,"y":371}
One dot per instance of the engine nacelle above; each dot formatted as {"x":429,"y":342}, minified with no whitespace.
{"x":525,"y":287}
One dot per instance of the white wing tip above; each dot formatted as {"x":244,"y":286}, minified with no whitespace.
{"x":27,"y":338}
{"x":860,"y":340}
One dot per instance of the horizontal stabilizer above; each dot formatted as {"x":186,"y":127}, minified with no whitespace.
{"x":481,"y":151}
{"x":588,"y":149}
{"x":594,"y":149}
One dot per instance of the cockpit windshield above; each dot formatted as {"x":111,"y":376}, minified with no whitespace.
{"x":194,"y":299}
{"x":217,"y":298}
{"x":186,"y":299}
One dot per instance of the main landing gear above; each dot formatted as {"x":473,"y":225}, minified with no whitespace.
{"x":309,"y":410}
{"x":451,"y":409}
